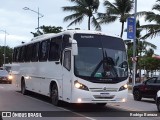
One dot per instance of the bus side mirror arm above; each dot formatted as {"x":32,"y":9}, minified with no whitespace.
{"x":74,"y":46}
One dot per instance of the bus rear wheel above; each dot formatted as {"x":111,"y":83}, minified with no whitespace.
{"x":54,"y":95}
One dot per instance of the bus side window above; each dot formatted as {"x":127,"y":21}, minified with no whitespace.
{"x":35,"y":52}
{"x":28,"y":52}
{"x":21,"y":59}
{"x":55,"y":48}
{"x":43,"y":55}
{"x":66,"y":42}
{"x":17,"y":54}
{"x":67,"y":60}
{"x":14,"y":54}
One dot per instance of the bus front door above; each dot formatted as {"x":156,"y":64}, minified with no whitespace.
{"x":67,"y":76}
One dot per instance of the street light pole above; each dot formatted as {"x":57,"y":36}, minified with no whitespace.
{"x":38,"y":19}
{"x":39,"y":14}
{"x":134,"y":45}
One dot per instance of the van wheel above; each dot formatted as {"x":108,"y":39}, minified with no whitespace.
{"x":23,"y":87}
{"x":137,"y":95}
{"x":54,"y":95}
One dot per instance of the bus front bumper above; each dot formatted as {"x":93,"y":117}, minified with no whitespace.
{"x":81,"y":96}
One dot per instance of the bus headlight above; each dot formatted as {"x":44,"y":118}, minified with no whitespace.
{"x":123,"y":87}
{"x":80,"y":86}
{"x":10,"y":77}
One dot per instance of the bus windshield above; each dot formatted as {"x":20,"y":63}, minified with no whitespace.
{"x":100,"y":58}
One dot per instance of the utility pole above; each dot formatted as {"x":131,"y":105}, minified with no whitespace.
{"x":134,"y":45}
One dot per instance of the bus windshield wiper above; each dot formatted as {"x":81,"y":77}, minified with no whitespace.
{"x":99,"y":64}
{"x":108,"y":65}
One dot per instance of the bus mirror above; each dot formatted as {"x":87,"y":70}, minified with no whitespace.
{"x":74,"y":46}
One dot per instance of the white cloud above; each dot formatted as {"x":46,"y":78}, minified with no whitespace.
{"x":12,"y":40}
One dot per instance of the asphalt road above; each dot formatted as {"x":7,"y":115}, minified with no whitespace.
{"x":11,"y":100}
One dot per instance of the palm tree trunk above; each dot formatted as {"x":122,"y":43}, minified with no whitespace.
{"x":89,"y":21}
{"x":122,"y":29}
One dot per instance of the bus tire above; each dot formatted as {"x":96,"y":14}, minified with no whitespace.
{"x":23,"y":87}
{"x":54,"y":95}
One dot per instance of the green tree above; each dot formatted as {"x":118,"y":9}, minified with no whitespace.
{"x":150,"y":64}
{"x":120,"y":9}
{"x":142,"y":46}
{"x":47,"y":29}
{"x":82,"y":9}
{"x":153,"y":28}
{"x":8,"y":55}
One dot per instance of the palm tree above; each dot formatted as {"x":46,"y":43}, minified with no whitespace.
{"x":142,"y":46}
{"x":153,"y":29}
{"x":81,"y":9}
{"x":120,"y":9}
{"x":141,"y":43}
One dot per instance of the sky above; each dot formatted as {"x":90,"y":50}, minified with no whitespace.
{"x":19,"y":22}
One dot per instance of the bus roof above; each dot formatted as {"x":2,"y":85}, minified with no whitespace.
{"x":70,"y":32}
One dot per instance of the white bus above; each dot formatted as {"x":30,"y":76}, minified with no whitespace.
{"x":74,"y":66}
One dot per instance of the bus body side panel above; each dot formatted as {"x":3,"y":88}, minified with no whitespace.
{"x":52,"y":72}
{"x":16,"y":75}
{"x":38,"y":75}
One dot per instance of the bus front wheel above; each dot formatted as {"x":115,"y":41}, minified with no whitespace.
{"x":54,"y":95}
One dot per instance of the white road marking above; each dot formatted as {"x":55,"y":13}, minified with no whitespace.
{"x":59,"y":107}
{"x":125,"y":108}
{"x":77,"y":113}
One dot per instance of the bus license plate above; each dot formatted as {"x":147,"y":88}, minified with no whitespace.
{"x":104,"y":94}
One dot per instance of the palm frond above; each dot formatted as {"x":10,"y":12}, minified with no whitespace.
{"x":73,"y":16}
{"x":108,"y":5}
{"x":142,"y":13}
{"x":81,"y":9}
{"x":150,"y":27}
{"x":151,"y":34}
{"x":71,"y":8}
{"x":152,"y":17}
{"x":96,"y":4}
{"x":96,"y":24}
{"x":77,"y":20}
{"x":156,"y":6}
{"x":124,"y":6}
{"x":150,"y":44}
{"x":108,"y":19}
